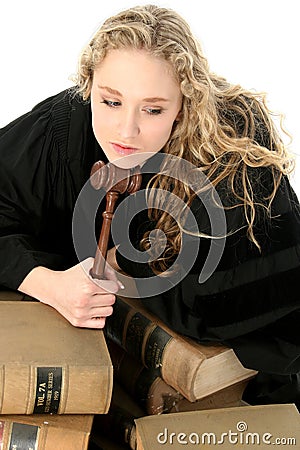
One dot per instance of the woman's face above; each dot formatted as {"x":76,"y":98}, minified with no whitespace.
{"x":135,"y":100}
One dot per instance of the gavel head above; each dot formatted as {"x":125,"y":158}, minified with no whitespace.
{"x":113,"y":178}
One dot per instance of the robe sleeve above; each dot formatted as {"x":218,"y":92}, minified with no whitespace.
{"x":31,"y":167}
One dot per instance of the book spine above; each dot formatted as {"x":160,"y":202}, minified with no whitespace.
{"x":192,"y":369}
{"x":145,"y":385}
{"x":31,"y":390}
{"x":48,"y":390}
{"x":131,"y":374}
{"x":137,"y":334}
{"x":156,"y":396}
{"x":175,"y":359}
{"x":54,"y":390}
{"x":16,"y":434}
{"x":50,"y":367}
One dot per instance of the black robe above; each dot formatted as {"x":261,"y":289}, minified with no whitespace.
{"x":251,"y":302}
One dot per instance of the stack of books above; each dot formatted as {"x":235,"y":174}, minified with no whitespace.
{"x":68,"y":388}
{"x":53,"y":378}
{"x":154,"y":363}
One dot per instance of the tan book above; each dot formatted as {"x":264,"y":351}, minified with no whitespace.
{"x":193,"y":369}
{"x":49,"y":366}
{"x":144,"y":385}
{"x":225,"y":398}
{"x":45,"y":432}
{"x":157,"y":397}
{"x":256,"y":427}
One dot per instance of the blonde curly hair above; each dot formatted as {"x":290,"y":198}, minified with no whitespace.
{"x":224,"y":130}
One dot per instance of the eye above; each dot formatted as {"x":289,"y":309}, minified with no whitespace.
{"x":153,"y":111}
{"x":111,"y":103}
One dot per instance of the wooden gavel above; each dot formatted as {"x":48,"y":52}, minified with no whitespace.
{"x":115,"y":181}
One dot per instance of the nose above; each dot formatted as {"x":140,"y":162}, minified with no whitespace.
{"x":128,"y":126}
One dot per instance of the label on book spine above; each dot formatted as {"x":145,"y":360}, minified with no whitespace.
{"x":136,"y":331}
{"x":115,"y":324}
{"x":48,"y":390}
{"x":23,"y":437}
{"x":154,"y":348}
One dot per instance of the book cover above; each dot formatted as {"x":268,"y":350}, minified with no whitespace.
{"x":45,"y":432}
{"x":193,"y":369}
{"x":157,"y":397}
{"x":257,"y":427}
{"x":49,"y":366}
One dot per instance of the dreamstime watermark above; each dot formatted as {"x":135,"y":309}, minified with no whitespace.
{"x":208,"y":207}
{"x":239,"y":436}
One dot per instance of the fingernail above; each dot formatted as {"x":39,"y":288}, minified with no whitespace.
{"x":121,"y":285}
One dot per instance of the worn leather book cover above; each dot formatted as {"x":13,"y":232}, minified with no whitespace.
{"x":49,"y":366}
{"x":45,"y":432}
{"x":257,"y":427}
{"x":155,"y":396}
{"x":193,"y":369}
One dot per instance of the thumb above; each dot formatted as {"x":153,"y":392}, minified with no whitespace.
{"x":110,"y":286}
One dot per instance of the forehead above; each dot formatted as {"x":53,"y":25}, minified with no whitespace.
{"x":138,"y":70}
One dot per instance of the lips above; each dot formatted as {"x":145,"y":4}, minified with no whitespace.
{"x":123,"y":149}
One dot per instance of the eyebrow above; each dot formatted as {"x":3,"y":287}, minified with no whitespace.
{"x":148,"y":99}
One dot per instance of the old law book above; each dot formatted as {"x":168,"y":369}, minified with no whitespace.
{"x":145,"y":385}
{"x":45,"y":432}
{"x":49,"y":366}
{"x":193,"y":369}
{"x":231,"y":396}
{"x":249,"y":426}
{"x":155,"y":396}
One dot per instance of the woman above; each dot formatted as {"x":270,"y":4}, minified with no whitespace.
{"x":145,"y":88}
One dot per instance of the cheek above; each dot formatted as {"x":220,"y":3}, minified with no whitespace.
{"x":163,"y":132}
{"x":100,"y":124}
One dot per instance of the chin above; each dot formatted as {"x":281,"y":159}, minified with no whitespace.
{"x":130,"y":161}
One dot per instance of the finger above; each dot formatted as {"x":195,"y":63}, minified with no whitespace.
{"x":121,"y":285}
{"x":107,"y":286}
{"x":96,"y":322}
{"x":100,"y":300}
{"x":91,"y":322}
{"x":110,"y":273}
{"x":110,"y":283}
{"x":102,"y":311}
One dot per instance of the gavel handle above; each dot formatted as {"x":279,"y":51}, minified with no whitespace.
{"x":97,"y":270}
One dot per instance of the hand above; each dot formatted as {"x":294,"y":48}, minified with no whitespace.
{"x":83,"y":301}
{"x":129,"y":286}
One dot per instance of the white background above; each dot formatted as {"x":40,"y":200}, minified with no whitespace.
{"x":250,"y":42}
